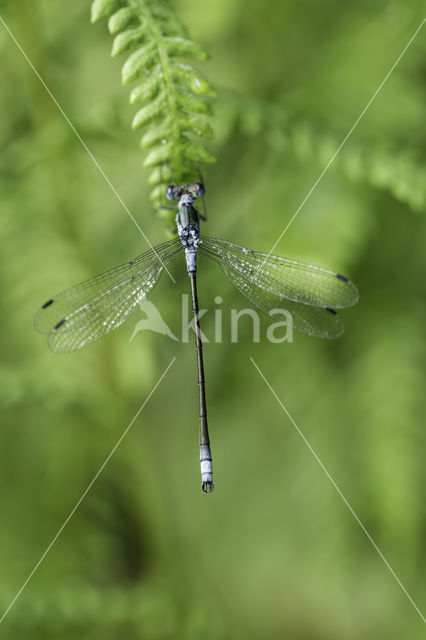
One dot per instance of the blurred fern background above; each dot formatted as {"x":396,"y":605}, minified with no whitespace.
{"x":273,"y":552}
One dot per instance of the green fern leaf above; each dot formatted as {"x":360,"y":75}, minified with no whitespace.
{"x":188,"y":101}
{"x":198,"y":126}
{"x":196,"y":152}
{"x":149,"y":89}
{"x":120,"y":20}
{"x":150,"y":112}
{"x":173,"y":94}
{"x":103,"y":8}
{"x":155,"y":135}
{"x":185,"y":74}
{"x":158,"y":156}
{"x":140,"y":61}
{"x":185,"y":49}
{"x":128,"y":40}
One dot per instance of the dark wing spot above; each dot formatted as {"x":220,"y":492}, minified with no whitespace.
{"x":47,"y":304}
{"x":61,"y":322}
{"x":331,"y":310}
{"x":339,"y":275}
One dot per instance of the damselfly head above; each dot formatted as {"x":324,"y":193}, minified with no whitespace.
{"x":175,"y":192}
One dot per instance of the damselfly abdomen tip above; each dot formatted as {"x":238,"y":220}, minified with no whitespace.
{"x":207,"y":486}
{"x":206,"y":460}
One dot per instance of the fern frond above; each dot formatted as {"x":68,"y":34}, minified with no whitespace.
{"x":173,"y":96}
{"x":400,"y":171}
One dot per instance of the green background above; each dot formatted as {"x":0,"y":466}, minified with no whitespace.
{"x":273,"y":552}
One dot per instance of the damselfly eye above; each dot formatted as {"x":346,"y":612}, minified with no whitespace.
{"x":200,"y":188}
{"x":169,"y":193}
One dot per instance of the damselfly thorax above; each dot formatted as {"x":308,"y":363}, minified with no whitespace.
{"x":187,"y":220}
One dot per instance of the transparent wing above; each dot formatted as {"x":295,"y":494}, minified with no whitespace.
{"x":90,"y":310}
{"x":320,"y":322}
{"x":289,"y":279}
{"x":309,"y":293}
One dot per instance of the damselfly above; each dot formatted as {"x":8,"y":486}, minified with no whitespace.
{"x":88,"y":311}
